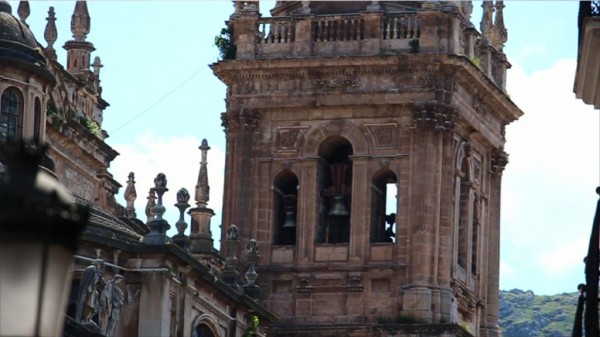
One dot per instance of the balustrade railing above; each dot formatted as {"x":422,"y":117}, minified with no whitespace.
{"x":349,"y":28}
{"x":401,"y":26}
{"x":276,"y":30}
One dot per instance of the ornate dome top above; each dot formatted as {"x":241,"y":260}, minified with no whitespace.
{"x":17,"y":44}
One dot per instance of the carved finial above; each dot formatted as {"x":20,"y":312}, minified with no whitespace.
{"x":50,"y":33}
{"x":500,"y":34}
{"x":150,"y":205}
{"x":486,"y":19}
{"x":130,"y":195}
{"x":202,"y":189}
{"x":160,"y":187}
{"x":23,"y":11}
{"x":96,"y":66}
{"x":251,"y":289}
{"x":183,"y":196}
{"x":80,"y":21}
{"x":233,"y":233}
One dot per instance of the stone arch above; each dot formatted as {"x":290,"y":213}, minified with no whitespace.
{"x":338,"y":128}
{"x":382,"y":224}
{"x":208,"y":322}
{"x":284,"y":206}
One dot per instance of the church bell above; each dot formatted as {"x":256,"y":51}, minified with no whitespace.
{"x":338,"y":208}
{"x":290,"y":220}
{"x":289,"y":202}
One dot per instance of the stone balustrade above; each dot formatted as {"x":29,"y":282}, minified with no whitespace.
{"x":366,"y":33}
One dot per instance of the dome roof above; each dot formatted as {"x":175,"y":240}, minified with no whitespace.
{"x":17,"y":44}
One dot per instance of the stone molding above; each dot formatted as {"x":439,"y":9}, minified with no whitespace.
{"x":384,"y":136}
{"x":434,"y":116}
{"x":242,"y":120}
{"x":288,"y":138}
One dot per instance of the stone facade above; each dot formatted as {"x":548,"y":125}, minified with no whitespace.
{"x":330,"y":104}
{"x":130,"y":278}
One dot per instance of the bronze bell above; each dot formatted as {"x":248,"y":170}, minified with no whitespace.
{"x":338,"y":208}
{"x":290,"y":220}
{"x":289,"y":202}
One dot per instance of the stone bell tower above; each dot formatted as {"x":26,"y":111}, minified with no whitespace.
{"x":365,"y":153}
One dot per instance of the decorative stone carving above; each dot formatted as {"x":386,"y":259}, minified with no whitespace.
{"x":202,"y":188}
{"x":111,"y":301}
{"x":434,"y":116}
{"x":87,"y":296}
{"x":336,"y":83}
{"x":51,"y":34}
{"x":288,"y":139}
{"x":244,"y":119}
{"x":150,"y":204}
{"x":245,"y":87}
{"x":499,"y":160}
{"x":130,"y":195}
{"x":383,"y":135}
{"x":23,"y":10}
{"x":251,"y":288}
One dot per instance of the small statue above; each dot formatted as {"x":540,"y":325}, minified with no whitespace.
{"x":233,"y":232}
{"x":252,"y":247}
{"x":87,"y":297}
{"x":111,"y":303}
{"x":183,"y":196}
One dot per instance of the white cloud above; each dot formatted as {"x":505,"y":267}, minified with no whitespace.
{"x":179,"y":159}
{"x":564,"y":258}
{"x":548,"y":197}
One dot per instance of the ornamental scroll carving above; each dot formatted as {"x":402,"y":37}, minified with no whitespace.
{"x":244,"y":119}
{"x":383,"y":135}
{"x":434,"y":116}
{"x":288,"y":138}
{"x":336,"y":83}
{"x":499,"y":160}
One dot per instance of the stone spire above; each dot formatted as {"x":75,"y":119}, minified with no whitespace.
{"x":500,"y":34}
{"x":50,"y":33}
{"x":96,"y":66}
{"x":150,"y":205}
{"x":130,"y":195}
{"x":486,"y":20}
{"x":78,"y":49}
{"x":200,"y":234}
{"x":23,"y":11}
{"x":202,"y":188}
{"x":80,"y":21}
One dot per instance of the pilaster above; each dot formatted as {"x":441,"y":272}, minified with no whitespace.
{"x":154,"y":315}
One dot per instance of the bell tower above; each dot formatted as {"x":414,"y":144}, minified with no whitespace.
{"x":365,"y":154}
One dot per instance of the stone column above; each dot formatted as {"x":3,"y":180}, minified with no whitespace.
{"x":239,"y":172}
{"x":154,"y":314}
{"x":431,"y":121}
{"x":359,"y":232}
{"x":499,"y":159}
{"x":308,"y":211}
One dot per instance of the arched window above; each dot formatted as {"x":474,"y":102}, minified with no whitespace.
{"x":285,"y":198}
{"x":202,"y":330}
{"x":37,"y":120}
{"x":11,"y":115}
{"x":335,"y":174}
{"x":463,"y":219}
{"x":383,"y":206}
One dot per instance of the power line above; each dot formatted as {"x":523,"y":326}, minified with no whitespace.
{"x":156,"y":102}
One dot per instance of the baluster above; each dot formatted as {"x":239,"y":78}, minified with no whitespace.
{"x":286,"y":32}
{"x":279,"y":32}
{"x":418,"y":19}
{"x":412,"y":31}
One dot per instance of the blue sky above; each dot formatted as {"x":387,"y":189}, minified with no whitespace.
{"x":164,"y":100}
